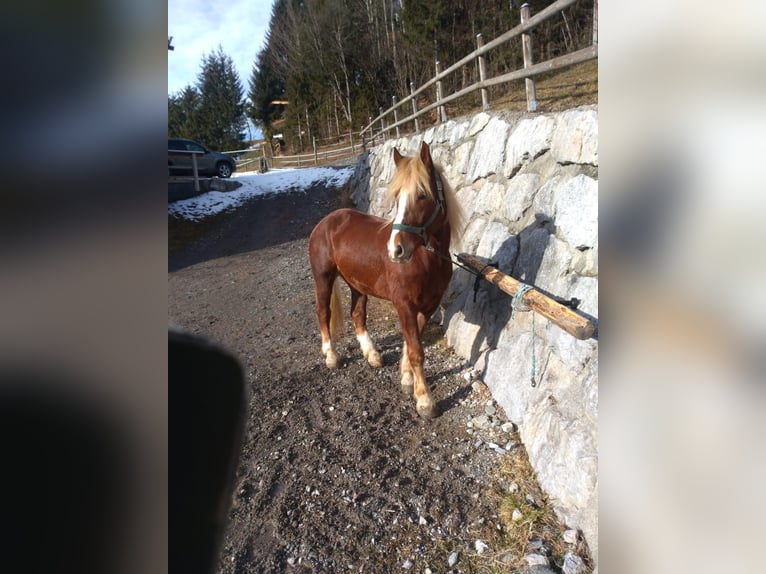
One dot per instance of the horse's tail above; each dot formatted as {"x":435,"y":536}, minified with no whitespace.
{"x":336,"y":311}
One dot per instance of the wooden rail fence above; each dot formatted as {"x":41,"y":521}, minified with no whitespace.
{"x":527,"y":73}
{"x":370,"y":135}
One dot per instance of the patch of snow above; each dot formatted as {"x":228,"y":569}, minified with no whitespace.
{"x":258,"y":184}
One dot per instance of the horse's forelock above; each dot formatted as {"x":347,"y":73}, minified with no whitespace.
{"x":411,"y":176}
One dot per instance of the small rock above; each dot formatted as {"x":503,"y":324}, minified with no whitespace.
{"x":481,"y":546}
{"x":291,"y":561}
{"x":536,"y":560}
{"x":516,"y":515}
{"x":427,"y":571}
{"x":573,"y":564}
{"x":422,"y":521}
{"x":508,"y":428}
{"x":510,"y":445}
{"x":490,"y":410}
{"x":477,"y":386}
{"x":514,"y":488}
{"x":408,"y":564}
{"x":506,"y":558}
{"x":539,"y":546}
{"x":467,"y":376}
{"x":571,"y":536}
{"x":452,"y":560}
{"x":481,"y":421}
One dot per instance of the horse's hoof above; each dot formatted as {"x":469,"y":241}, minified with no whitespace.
{"x":331,"y":361}
{"x":373,"y":358}
{"x":408,"y":391}
{"x":428,"y":411}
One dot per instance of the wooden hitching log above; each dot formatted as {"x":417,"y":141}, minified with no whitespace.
{"x":571,"y":322}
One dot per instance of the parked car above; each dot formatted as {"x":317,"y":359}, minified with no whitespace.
{"x":208,"y":162}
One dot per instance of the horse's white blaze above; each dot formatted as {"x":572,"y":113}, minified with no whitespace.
{"x":401,"y":207}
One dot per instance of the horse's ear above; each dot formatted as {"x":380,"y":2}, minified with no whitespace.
{"x":425,"y":154}
{"x":397,"y":157}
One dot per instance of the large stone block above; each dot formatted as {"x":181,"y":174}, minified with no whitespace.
{"x":531,"y":138}
{"x":575,"y":139}
{"x":519,"y":193}
{"x":488,"y":152}
{"x":576,"y":211}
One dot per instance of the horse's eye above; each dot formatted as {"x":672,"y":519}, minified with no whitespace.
{"x":421,"y":195}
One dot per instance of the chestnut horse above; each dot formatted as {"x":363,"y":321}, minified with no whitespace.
{"x":405,"y":260}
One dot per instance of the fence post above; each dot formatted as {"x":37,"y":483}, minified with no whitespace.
{"x":396,"y":116}
{"x":195,"y":171}
{"x":441,"y":114}
{"x":383,"y":125}
{"x":482,"y":72}
{"x":414,"y":108}
{"x":351,"y":139}
{"x":314,"y":143}
{"x":526,"y":42}
{"x":595,"y":22}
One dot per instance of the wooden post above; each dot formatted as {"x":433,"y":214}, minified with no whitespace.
{"x":351,"y":139}
{"x":526,"y":43}
{"x":383,"y":127}
{"x":195,"y":171}
{"x":571,"y":322}
{"x":414,"y":108}
{"x":441,"y":114}
{"x":482,"y":73}
{"x":396,"y":116}
{"x":314,"y":143}
{"x":595,"y":22}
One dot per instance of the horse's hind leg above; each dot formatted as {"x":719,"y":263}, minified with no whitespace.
{"x":324,"y":286}
{"x":359,"y":316}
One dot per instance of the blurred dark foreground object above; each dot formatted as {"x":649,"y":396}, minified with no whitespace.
{"x":207,"y":408}
{"x":67,"y":480}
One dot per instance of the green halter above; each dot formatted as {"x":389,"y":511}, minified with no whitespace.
{"x":421,"y":231}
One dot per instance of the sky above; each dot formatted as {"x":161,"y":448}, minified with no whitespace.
{"x":253,"y":184}
{"x":198,"y":27}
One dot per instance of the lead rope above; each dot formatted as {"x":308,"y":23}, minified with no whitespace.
{"x":517,"y":304}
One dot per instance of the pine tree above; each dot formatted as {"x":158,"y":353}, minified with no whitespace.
{"x":183,"y":112}
{"x":221,"y":118}
{"x":265,"y":88}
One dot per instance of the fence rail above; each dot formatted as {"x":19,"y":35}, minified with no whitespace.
{"x":528,"y":72}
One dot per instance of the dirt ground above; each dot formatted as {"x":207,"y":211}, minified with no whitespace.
{"x":337,"y":472}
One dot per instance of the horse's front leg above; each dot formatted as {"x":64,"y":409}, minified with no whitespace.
{"x":412,"y":366}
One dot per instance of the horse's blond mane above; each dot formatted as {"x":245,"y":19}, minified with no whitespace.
{"x":411,"y":177}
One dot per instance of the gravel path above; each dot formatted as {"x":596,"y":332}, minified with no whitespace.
{"x":337,"y":471}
